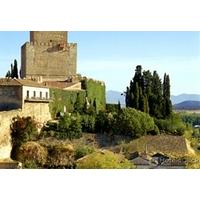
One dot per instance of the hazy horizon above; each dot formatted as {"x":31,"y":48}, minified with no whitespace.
{"x":113,"y":56}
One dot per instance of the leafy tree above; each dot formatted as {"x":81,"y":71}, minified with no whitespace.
{"x":134,"y":123}
{"x":106,"y":122}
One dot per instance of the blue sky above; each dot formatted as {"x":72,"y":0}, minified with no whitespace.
{"x":112,"y":56}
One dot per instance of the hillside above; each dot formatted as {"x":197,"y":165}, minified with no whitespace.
{"x":187,"y":105}
{"x":184,"y":97}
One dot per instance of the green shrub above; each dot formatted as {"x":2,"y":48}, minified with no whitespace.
{"x":106,"y":123}
{"x":60,"y":156}
{"x":32,"y":155}
{"x":69,"y":127}
{"x":83,"y":150}
{"x":103,"y":160}
{"x":135,"y":123}
{"x":173,"y":125}
{"x":88,"y":123}
{"x":23,"y":129}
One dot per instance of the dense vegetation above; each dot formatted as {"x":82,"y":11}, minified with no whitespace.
{"x":148,"y":94}
{"x":148,"y":112}
{"x":64,"y":100}
{"x":190,"y":118}
{"x":91,"y":98}
{"x":95,"y":92}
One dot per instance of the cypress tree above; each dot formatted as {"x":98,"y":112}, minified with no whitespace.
{"x":78,"y":105}
{"x":15,"y":70}
{"x":12,"y":71}
{"x":167,"y":105}
{"x":135,"y":96}
{"x":8,"y":74}
{"x":147,"y":93}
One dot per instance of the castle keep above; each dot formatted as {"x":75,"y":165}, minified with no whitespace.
{"x":48,"y":55}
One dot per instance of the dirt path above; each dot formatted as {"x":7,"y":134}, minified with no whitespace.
{"x":190,"y":149}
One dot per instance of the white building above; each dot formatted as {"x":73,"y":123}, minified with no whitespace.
{"x":15,"y":92}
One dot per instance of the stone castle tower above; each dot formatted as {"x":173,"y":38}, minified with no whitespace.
{"x":48,"y":55}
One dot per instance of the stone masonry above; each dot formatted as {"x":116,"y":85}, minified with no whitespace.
{"x":48,"y":55}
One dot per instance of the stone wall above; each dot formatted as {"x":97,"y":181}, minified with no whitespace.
{"x":40,"y":111}
{"x":10,"y":97}
{"x":48,"y":36}
{"x":48,"y":55}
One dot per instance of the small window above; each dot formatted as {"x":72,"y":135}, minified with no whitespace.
{"x":27,"y":94}
{"x":34,"y":94}
{"x":47,"y":95}
{"x":40,"y":95}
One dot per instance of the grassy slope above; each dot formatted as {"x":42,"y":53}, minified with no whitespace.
{"x":174,"y":146}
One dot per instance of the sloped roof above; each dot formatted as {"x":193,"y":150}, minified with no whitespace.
{"x":20,"y":82}
{"x":59,"y":84}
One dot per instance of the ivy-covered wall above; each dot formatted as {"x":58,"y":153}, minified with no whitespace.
{"x":95,"y":90}
{"x":64,"y":99}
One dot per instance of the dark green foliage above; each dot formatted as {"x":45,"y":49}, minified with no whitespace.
{"x":191,"y":118}
{"x":106,"y":122}
{"x":88,"y":123}
{"x":69,"y":126}
{"x":147,"y":94}
{"x":135,"y":123}
{"x":78,"y":105}
{"x":23,"y":129}
{"x":127,"y":122}
{"x":173,"y":125}
{"x":113,"y":107}
{"x":8,"y":74}
{"x":167,"y":105}
{"x":13,"y":72}
{"x":95,"y":92}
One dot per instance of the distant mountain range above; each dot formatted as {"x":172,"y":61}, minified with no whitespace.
{"x":190,"y":100}
{"x":184,"y":97}
{"x":187,"y":105}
